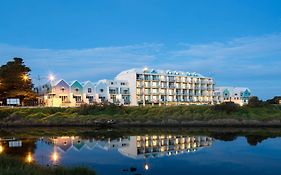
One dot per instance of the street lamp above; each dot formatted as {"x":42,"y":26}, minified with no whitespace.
{"x":25,"y":77}
{"x":51,"y":77}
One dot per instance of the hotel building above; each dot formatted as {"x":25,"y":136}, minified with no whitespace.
{"x":238,"y":95}
{"x":164,"y":87}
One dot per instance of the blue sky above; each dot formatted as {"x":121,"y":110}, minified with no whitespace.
{"x":238,"y":42}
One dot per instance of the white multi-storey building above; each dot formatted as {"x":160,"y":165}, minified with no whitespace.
{"x":114,"y":91}
{"x":164,"y":87}
{"x":238,"y":95}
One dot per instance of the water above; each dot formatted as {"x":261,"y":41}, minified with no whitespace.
{"x":149,"y":151}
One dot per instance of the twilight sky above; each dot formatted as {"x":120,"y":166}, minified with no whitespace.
{"x":237,"y":42}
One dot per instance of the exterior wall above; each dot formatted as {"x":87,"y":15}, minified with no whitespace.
{"x":114,"y":91}
{"x":238,"y":95}
{"x":130,"y":78}
{"x":89,"y":93}
{"x":59,"y":95}
{"x":158,"y":87}
{"x":76,"y":93}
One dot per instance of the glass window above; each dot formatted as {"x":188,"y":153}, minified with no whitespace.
{"x":89,"y":90}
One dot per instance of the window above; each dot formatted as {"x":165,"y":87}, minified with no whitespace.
{"x":111,"y":83}
{"x":101,"y":90}
{"x":76,"y":89}
{"x":62,"y":89}
{"x":89,"y":90}
{"x":122,"y":83}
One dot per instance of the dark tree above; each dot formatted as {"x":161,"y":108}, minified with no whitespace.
{"x":254,"y":101}
{"x":275,"y":100}
{"x":15,"y":81}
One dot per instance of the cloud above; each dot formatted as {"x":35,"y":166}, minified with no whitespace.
{"x":83,"y":63}
{"x":248,"y":56}
{"x":244,"y":61}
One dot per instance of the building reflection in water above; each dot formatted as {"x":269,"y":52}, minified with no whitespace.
{"x":163,"y":145}
{"x":136,"y":147}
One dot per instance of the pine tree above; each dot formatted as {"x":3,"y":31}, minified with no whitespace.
{"x":15,"y":81}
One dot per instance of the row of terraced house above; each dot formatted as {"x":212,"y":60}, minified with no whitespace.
{"x":142,"y":87}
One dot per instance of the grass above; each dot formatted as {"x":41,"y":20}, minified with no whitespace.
{"x":14,"y":166}
{"x":90,"y":114}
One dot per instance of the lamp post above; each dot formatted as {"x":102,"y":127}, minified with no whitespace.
{"x":51,"y":79}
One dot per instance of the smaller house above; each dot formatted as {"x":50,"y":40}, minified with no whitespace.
{"x":238,"y":95}
{"x":89,"y":93}
{"x":76,"y":93}
{"x":54,"y":94}
{"x":113,"y":91}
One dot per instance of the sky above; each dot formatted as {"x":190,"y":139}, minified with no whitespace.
{"x":237,"y":42}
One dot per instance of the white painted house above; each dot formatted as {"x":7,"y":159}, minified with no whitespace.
{"x":238,"y":95}
{"x":114,"y":91}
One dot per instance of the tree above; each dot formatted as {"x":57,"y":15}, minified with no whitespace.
{"x":15,"y":81}
{"x":254,"y":101}
{"x":275,"y":100}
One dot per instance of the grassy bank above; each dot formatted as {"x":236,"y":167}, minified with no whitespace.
{"x":14,"y":166}
{"x":88,"y":115}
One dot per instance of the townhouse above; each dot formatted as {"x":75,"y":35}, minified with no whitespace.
{"x":238,"y":95}
{"x":114,"y":91}
{"x":63,"y":94}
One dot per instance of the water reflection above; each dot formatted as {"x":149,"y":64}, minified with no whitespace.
{"x":136,"y":147}
{"x":118,"y":153}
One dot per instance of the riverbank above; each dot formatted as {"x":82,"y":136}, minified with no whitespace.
{"x":15,"y":166}
{"x":112,"y":115}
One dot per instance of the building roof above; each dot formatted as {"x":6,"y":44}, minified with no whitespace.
{"x":163,"y":72}
{"x":232,"y":90}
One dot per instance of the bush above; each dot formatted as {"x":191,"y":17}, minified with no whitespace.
{"x":228,"y":107}
{"x":255,"y":102}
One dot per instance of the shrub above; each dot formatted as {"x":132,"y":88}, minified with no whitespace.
{"x":226,"y":107}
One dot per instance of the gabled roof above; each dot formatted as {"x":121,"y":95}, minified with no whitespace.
{"x":87,"y":82}
{"x":75,"y":81}
{"x":233,"y":90}
{"x":55,"y":83}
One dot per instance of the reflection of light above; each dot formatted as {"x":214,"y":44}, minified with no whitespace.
{"x":146,"y":167}
{"x":55,"y":156}
{"x":1,"y":149}
{"x":29,"y":158}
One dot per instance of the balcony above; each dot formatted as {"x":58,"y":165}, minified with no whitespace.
{"x":139,"y":85}
{"x":171,"y":86}
{"x":155,"y":86}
